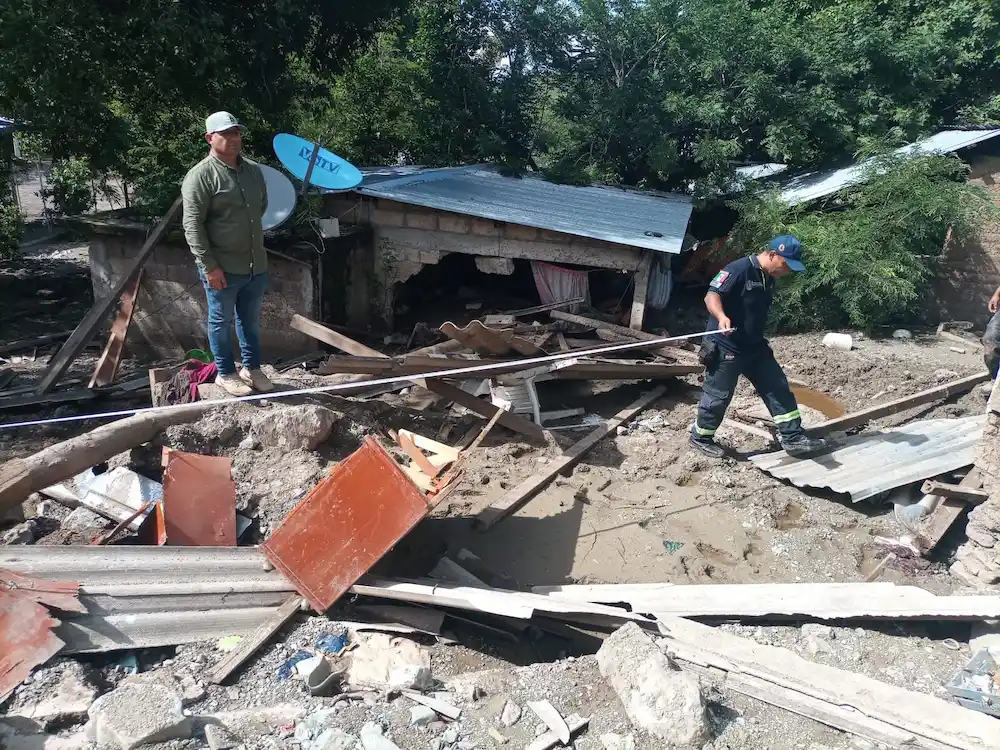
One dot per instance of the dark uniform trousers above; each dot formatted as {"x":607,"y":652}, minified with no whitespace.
{"x":766,"y":376}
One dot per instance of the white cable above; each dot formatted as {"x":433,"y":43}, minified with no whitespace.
{"x":369,"y":383}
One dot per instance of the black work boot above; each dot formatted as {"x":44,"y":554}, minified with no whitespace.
{"x":802,"y":445}
{"x":706,"y":445}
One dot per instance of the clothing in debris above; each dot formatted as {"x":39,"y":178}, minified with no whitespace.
{"x":747,"y":292}
{"x":241,"y":300}
{"x":182,"y":388}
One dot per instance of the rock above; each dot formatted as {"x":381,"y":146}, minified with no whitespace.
{"x":421,"y":716}
{"x":612,"y":741}
{"x":249,"y":443}
{"x":24,"y":533}
{"x":510,"y":715}
{"x":69,"y":700}
{"x":336,"y":739}
{"x":658,"y":698}
{"x":295,"y":427}
{"x":819,"y":631}
{"x":373,"y":738}
{"x":902,"y":334}
{"x":191,"y":690}
{"x":83,"y":520}
{"x":219,"y":737}
{"x":943,"y":376}
{"x":816,"y":645}
{"x":138,"y":714}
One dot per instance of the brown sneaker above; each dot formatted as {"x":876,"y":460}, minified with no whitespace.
{"x":257,"y":380}
{"x":233,"y":385}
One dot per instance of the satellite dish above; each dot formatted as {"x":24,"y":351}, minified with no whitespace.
{"x":329,"y":171}
{"x":280,"y":198}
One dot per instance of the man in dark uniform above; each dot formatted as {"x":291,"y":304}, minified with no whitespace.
{"x":739,"y":298}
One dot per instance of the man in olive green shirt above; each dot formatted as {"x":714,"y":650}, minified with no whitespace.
{"x":224,"y":199}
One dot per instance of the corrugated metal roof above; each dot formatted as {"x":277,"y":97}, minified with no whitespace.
{"x":626,"y":217}
{"x":813,"y":185}
{"x":865,"y":465}
{"x":146,"y":596}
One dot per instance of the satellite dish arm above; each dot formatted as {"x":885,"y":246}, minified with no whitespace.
{"x":309,"y":169}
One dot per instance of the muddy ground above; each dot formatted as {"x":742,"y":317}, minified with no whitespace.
{"x":640,"y":507}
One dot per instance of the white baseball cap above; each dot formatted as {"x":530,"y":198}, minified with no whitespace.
{"x":219,"y":121}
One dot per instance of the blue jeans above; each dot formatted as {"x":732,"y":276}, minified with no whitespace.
{"x":241,"y":299}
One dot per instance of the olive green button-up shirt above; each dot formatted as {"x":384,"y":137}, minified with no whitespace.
{"x":222,"y":215}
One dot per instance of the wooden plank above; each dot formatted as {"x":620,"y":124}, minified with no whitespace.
{"x":641,"y":290}
{"x":934,"y":528}
{"x":329,"y":336}
{"x":955,"y":492}
{"x":433,"y":446}
{"x":16,"y":346}
{"x":749,"y":429}
{"x":418,"y":458}
{"x":531,"y":486}
{"x":7,"y":375}
{"x":545,"y":308}
{"x":485,"y":408}
{"x":931,"y":722}
{"x":820,"y":601}
{"x":253,"y":642}
{"x":622,"y":333}
{"x":84,"y":332}
{"x":563,"y":344}
{"x":106,"y":369}
{"x":858,"y":418}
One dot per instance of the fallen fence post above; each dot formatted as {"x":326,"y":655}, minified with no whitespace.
{"x":253,"y":642}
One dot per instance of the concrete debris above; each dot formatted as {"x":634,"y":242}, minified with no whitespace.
{"x":295,"y":427}
{"x":24,"y":533}
{"x":219,"y":737}
{"x":134,"y":715}
{"x":313,"y":725}
{"x":373,"y":738}
{"x":336,"y":739}
{"x":658,"y":698}
{"x":421,"y":716}
{"x":511,"y":714}
{"x":382,"y":661}
{"x":68,"y":700}
{"x":945,"y":376}
{"x":612,"y":741}
{"x":84,"y":521}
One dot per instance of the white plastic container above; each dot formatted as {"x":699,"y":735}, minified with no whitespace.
{"x":842,"y":341}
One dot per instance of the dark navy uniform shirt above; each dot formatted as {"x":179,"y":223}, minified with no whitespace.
{"x":746,"y":292}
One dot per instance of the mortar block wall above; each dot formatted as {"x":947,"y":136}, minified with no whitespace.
{"x":171,"y":314}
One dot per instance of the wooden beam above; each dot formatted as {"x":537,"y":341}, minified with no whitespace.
{"x":749,"y":429}
{"x":859,"y":418}
{"x":623,"y":333}
{"x":641,"y":290}
{"x":955,"y":492}
{"x":16,"y":346}
{"x":106,"y":369}
{"x":924,"y":721}
{"x":95,"y":318}
{"x":445,"y":390}
{"x":934,"y":528}
{"x":253,"y":642}
{"x":531,"y":486}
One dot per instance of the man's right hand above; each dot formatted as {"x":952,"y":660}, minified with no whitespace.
{"x":724,"y":323}
{"x":995,"y":301}
{"x":216,"y":278}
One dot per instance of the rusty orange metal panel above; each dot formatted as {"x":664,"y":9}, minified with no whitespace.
{"x":199,"y":500}
{"x":58,"y":594}
{"x":26,"y":639}
{"x":356,"y":514}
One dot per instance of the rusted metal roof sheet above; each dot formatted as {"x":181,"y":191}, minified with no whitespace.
{"x":155,"y":596}
{"x":26,"y":639}
{"x":356,"y":514}
{"x":656,"y":221}
{"x":199,"y":500}
{"x":865,"y":465}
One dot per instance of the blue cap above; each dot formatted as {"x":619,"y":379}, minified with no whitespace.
{"x":789,"y":248}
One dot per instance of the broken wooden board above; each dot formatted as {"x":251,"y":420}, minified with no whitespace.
{"x":859,"y":418}
{"x":625,"y":334}
{"x":106,"y":369}
{"x":356,"y":514}
{"x":431,"y":446}
{"x":253,"y":642}
{"x":933,"y":528}
{"x":16,"y":346}
{"x":513,"y":500}
{"x":93,"y":320}
{"x":820,"y":601}
{"x":844,"y":700}
{"x":483,"y":340}
{"x":955,"y":492}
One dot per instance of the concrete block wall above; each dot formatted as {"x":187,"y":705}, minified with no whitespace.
{"x":969,"y":272}
{"x":171,"y":313}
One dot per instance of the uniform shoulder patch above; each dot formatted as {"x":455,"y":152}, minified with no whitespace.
{"x":719,"y":280}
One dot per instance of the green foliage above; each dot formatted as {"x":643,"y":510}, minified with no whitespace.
{"x":868,"y":256}
{"x":70,"y":187}
{"x":11,"y":230}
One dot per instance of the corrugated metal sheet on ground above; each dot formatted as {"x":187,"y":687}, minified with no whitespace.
{"x":146,"y":596}
{"x":865,"y":465}
{"x":813,"y":185}
{"x":626,"y":217}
